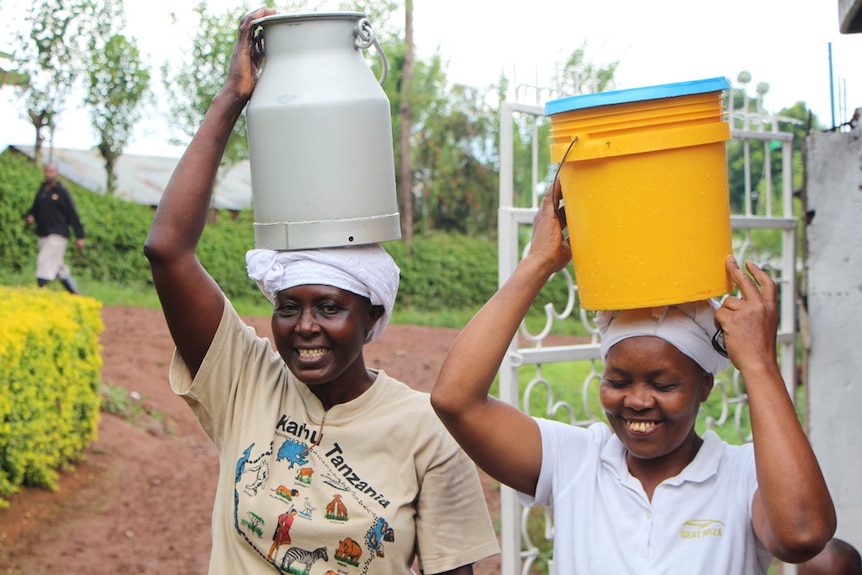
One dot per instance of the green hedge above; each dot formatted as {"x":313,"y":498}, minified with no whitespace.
{"x":115,"y":228}
{"x":445,"y":270}
{"x":49,"y":392}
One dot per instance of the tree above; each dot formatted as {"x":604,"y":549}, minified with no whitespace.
{"x":798,"y":120}
{"x":404,"y":180}
{"x":399,"y":89}
{"x":11,"y":77}
{"x":578,"y":76}
{"x":455,"y":131}
{"x":574,"y":76}
{"x":806,"y":121}
{"x":456,"y":154}
{"x":118,"y":81}
{"x":193,"y":85}
{"x":51,"y":57}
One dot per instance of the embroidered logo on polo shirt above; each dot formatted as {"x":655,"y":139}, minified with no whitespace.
{"x":700,"y":528}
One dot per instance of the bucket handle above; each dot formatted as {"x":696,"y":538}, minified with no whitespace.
{"x":558,"y":202}
{"x":365,"y":38}
{"x":363,"y":33}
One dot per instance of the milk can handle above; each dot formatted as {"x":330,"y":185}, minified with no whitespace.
{"x":257,"y":42}
{"x":364,"y":39}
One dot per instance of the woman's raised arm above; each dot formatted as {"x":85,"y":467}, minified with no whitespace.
{"x":500,"y":438}
{"x":792,"y":510}
{"x":191,"y":300}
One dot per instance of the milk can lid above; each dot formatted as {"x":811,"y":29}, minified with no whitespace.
{"x":303,"y":16}
{"x":635,"y":95}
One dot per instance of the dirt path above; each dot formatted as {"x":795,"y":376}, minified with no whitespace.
{"x":141,"y":500}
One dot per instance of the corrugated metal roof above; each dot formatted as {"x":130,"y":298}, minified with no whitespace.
{"x":142,"y":179}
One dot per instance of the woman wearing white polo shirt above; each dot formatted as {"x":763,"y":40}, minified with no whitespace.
{"x":646,"y":494}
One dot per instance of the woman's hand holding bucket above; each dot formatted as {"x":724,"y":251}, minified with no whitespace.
{"x":750,"y":320}
{"x":549,"y":240}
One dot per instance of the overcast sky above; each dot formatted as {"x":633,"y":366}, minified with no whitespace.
{"x":785,"y":43}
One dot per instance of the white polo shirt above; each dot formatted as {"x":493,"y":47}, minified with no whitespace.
{"x":697,"y":522}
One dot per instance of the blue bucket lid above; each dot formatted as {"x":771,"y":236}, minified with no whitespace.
{"x":635,"y":95}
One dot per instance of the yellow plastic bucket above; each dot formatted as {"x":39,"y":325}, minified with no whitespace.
{"x":644,"y":181}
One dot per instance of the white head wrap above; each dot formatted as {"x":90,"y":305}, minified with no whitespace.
{"x":365,"y":270}
{"x":689,"y":327}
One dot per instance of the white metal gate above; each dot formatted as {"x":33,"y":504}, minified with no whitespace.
{"x":526,"y":547}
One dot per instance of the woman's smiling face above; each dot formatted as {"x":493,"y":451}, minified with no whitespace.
{"x":651,"y":394}
{"x":320,"y":330}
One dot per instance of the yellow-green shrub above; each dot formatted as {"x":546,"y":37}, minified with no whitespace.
{"x":50,"y":360}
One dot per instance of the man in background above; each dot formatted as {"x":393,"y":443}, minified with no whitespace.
{"x":53,"y":212}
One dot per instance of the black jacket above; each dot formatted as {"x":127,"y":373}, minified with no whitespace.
{"x":55,"y":212}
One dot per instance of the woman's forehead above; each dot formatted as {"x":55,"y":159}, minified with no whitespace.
{"x":315,"y":291}
{"x":647,"y":353}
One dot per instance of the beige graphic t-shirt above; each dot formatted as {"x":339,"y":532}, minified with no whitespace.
{"x":360,"y":489}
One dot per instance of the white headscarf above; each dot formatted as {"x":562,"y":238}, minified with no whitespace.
{"x":689,"y":327}
{"x":365,"y":270}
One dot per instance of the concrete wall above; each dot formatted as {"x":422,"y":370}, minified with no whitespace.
{"x":833,"y":193}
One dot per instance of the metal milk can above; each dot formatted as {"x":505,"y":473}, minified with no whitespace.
{"x":320,"y":135}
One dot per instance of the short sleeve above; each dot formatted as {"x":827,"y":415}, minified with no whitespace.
{"x":566,"y":450}
{"x":216,"y":393}
{"x":453,"y":525}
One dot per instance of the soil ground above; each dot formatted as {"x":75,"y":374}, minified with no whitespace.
{"x":140,"y":500}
